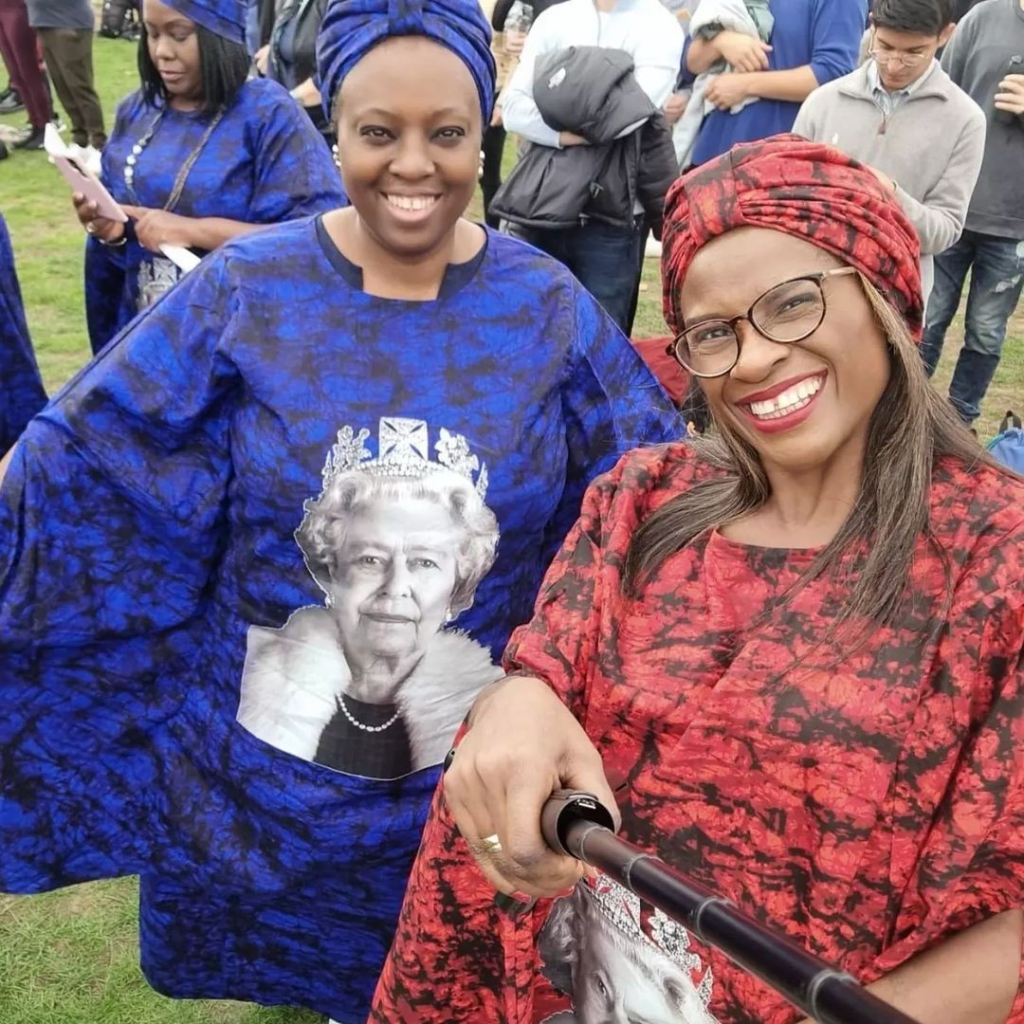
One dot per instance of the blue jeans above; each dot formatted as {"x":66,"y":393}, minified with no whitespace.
{"x":605,"y":260}
{"x":997,"y":273}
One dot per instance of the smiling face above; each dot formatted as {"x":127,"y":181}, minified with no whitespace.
{"x":889,"y":45}
{"x":800,"y":405}
{"x":409,"y":136}
{"x":393,"y":579}
{"x":174,"y":50}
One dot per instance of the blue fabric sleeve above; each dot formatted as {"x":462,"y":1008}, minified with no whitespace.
{"x":611,"y":404}
{"x":836,"y":33}
{"x":104,"y":290}
{"x":294,"y":174}
{"x":21,"y":387}
{"x":105,"y":266}
{"x":111,"y":510}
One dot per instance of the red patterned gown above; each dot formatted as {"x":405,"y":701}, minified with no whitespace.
{"x":868,"y":802}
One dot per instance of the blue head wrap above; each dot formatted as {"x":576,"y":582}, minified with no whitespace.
{"x":225,"y":18}
{"x":351,"y":28}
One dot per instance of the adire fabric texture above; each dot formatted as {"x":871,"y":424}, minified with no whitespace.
{"x":21,"y":388}
{"x":867,"y":804}
{"x":801,"y":188}
{"x":263,"y":163}
{"x":351,"y":28}
{"x":269,"y":482}
{"x":225,"y":18}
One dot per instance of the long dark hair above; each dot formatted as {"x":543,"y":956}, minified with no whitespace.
{"x":912,"y":426}
{"x":223,"y":69}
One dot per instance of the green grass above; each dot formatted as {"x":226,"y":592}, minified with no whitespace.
{"x":71,"y":957}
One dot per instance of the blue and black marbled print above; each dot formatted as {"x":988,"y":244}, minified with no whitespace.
{"x":147,"y":521}
{"x":21,"y":388}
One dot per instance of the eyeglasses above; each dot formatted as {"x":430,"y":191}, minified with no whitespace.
{"x":908,"y":60}
{"x":788,"y":313}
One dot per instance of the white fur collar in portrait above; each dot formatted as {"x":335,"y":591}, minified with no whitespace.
{"x":294,"y":675}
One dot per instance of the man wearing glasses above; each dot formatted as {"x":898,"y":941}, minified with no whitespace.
{"x":902,"y":115}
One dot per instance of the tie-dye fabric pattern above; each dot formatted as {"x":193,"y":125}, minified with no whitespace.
{"x":147,"y":524}
{"x":868,"y":804}
{"x":21,"y":389}
{"x":263,"y":164}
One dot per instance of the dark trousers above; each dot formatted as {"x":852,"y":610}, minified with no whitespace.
{"x":493,"y":148}
{"x":996,"y":266}
{"x":19,"y":47}
{"x":68,"y":56}
{"x":605,"y":260}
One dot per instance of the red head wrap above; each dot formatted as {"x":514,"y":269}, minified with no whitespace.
{"x":804,"y":189}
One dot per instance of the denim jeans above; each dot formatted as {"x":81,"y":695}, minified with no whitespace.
{"x":997,"y":272}
{"x":605,"y":260}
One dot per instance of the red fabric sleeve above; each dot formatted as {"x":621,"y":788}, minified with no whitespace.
{"x":457,"y":958}
{"x":970,"y":865}
{"x":453,"y":959}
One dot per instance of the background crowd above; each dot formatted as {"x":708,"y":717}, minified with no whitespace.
{"x":216,"y":390}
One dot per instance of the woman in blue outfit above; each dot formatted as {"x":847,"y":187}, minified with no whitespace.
{"x":272,"y":540}
{"x":199,"y":155}
{"x":21,"y":388}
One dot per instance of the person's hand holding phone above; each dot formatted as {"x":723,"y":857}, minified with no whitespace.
{"x":154,"y":228}
{"x":103,"y":228}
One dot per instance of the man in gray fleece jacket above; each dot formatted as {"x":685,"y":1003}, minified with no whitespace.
{"x":900,"y":114}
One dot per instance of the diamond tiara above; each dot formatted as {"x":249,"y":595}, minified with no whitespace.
{"x":648,"y":926}
{"x":403,"y":450}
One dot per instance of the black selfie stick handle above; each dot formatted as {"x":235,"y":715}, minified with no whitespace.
{"x":577,"y":824}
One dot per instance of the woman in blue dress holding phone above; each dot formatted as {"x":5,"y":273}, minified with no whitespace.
{"x":199,"y":155}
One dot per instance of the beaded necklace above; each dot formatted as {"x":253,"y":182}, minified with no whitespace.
{"x":362,"y":725}
{"x":186,"y":167}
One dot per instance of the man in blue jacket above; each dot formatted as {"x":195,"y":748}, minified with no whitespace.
{"x":812,"y":42}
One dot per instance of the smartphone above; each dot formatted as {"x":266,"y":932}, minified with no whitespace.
{"x":81,"y":180}
{"x":1014,"y":66}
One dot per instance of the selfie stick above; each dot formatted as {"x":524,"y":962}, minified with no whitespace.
{"x":578,"y":825}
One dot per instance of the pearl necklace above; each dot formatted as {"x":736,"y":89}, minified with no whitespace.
{"x":360,"y":725}
{"x":179,"y":181}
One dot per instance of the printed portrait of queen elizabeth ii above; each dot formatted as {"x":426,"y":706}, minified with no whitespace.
{"x":373,"y":682}
{"x":620,"y":961}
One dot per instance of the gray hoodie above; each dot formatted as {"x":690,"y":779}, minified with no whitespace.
{"x":931,"y":145}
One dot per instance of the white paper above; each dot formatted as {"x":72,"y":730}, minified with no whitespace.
{"x":184,"y":259}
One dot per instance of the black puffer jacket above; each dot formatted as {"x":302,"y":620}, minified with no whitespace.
{"x":591,"y":91}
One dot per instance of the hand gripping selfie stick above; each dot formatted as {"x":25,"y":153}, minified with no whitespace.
{"x":576,"y":824}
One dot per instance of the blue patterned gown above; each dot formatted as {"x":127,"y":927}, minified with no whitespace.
{"x":21,"y":388}
{"x":156,"y":503}
{"x":264,"y":163}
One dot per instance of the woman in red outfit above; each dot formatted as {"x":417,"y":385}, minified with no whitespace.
{"x":791,"y":652}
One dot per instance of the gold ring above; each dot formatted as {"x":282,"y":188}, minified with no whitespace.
{"x":491,"y":844}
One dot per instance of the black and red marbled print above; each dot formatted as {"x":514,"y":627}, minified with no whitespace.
{"x":868,"y":803}
{"x":804,"y":189}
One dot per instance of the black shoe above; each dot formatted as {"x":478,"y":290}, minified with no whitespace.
{"x":33,"y":142}
{"x":10,"y":102}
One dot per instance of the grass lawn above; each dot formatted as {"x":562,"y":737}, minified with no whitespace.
{"x":71,"y":957}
